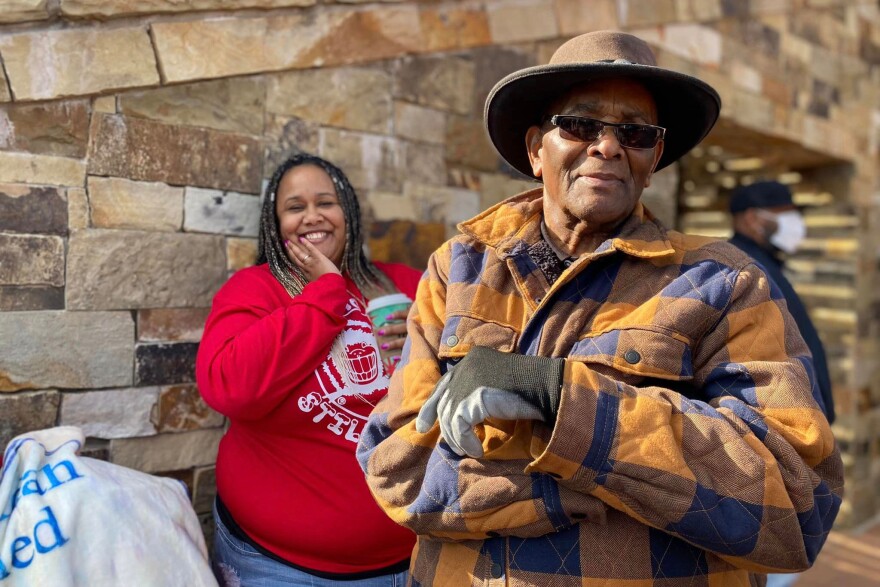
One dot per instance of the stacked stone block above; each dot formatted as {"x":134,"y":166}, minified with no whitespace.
{"x":136,"y":138}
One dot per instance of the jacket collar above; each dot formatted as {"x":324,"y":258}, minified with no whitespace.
{"x":516,"y":222}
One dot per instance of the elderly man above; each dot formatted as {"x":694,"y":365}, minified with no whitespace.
{"x":587,"y":398}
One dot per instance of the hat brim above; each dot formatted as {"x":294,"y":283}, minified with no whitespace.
{"x":687,"y":107}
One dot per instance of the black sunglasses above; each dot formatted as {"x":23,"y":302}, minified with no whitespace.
{"x":629,"y":135}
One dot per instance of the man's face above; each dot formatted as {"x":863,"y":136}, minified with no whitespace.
{"x":599,"y":183}
{"x":766,"y":218}
{"x":780,"y":226}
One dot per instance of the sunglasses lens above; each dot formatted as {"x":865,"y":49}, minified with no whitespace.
{"x":631,"y":136}
{"x":638,"y":136}
{"x":584,"y":129}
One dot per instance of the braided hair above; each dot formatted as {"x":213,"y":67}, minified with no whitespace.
{"x":271,"y":250}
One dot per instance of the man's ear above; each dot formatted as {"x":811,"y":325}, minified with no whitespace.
{"x":534,"y":143}
{"x":658,"y":152}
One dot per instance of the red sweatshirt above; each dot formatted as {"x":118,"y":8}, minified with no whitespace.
{"x":286,"y":469}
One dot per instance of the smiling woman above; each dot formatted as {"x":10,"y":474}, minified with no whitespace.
{"x":309,"y":212}
{"x":289,"y":355}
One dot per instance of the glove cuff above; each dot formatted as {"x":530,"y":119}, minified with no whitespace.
{"x":540,"y":378}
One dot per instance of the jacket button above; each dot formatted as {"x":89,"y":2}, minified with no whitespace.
{"x":497,"y":571}
{"x":632,"y":356}
{"x":452,"y":340}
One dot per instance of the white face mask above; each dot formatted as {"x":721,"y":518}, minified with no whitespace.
{"x":790,"y":230}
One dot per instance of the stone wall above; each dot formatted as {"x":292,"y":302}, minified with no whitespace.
{"x":136,"y":136}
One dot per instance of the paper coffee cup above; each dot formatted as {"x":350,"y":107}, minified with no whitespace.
{"x":378,"y":310}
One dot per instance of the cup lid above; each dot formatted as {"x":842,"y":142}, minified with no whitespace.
{"x":389,"y":300}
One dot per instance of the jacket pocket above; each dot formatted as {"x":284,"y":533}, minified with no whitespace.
{"x":461,"y":333}
{"x":640,"y":352}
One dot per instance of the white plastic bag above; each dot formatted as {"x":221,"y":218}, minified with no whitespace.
{"x":68,"y":520}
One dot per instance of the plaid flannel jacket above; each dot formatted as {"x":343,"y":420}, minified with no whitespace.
{"x":688,"y":449}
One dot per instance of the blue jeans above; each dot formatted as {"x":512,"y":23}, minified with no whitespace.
{"x":238,"y":564}
{"x":781,"y":579}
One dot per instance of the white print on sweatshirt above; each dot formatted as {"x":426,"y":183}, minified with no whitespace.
{"x":361,"y":377}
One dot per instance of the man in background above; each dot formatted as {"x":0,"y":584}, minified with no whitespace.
{"x":767,"y":227}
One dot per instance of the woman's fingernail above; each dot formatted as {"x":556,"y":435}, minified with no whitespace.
{"x":286,"y":242}
{"x":384,"y":346}
{"x":395,"y":359}
{"x":389,"y":317}
{"x":381,"y":333}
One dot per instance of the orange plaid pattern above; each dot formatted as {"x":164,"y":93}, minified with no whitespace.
{"x":688,"y":450}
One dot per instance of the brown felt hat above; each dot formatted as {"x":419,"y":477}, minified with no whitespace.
{"x":687,"y":107}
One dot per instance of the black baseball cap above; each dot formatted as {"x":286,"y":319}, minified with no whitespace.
{"x":762,"y":194}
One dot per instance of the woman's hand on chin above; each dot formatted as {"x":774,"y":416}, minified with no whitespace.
{"x":309,"y":259}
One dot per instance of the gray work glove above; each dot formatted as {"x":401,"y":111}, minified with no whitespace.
{"x":488,"y":383}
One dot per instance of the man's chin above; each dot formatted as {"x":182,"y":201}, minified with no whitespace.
{"x":601,"y":214}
